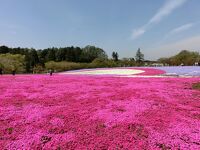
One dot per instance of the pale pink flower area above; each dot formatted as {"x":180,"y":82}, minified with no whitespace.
{"x":98,"y":112}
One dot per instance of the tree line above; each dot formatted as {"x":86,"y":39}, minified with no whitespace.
{"x":34,"y":58}
{"x":184,"y":58}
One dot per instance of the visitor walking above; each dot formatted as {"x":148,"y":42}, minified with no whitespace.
{"x":51,"y":72}
{"x":13,"y":72}
{"x":1,"y":71}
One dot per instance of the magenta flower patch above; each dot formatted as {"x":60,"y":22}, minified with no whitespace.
{"x":97,"y":112}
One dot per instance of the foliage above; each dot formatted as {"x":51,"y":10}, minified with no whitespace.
{"x":164,"y":61}
{"x":91,"y":52}
{"x":185,"y":57}
{"x":100,"y":62}
{"x":127,"y":62}
{"x":62,"y":66}
{"x":115,"y":56}
{"x":4,"y":49}
{"x":87,"y":57}
{"x":196,"y":86}
{"x":38,"y":69}
{"x":10,"y":62}
{"x":139,"y":57}
{"x":33,"y":57}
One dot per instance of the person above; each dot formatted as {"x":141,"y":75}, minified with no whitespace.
{"x":13,"y":72}
{"x":1,"y":71}
{"x":51,"y":72}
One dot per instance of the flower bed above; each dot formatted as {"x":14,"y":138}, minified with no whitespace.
{"x":96,"y":112}
{"x":117,"y":71}
{"x":181,"y":70}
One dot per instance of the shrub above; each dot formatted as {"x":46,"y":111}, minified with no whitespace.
{"x":62,"y":66}
{"x":196,"y":86}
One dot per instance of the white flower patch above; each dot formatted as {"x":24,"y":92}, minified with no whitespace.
{"x":107,"y":72}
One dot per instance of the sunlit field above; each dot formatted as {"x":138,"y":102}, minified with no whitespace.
{"x":100,"y":109}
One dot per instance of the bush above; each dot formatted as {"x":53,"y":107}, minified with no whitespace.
{"x":10,"y":62}
{"x":63,"y":66}
{"x":100,"y":63}
{"x":38,"y":69}
{"x":196,"y":86}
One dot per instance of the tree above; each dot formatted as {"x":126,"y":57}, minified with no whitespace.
{"x":31,"y":59}
{"x":34,"y":60}
{"x":115,"y":56}
{"x":89,"y":53}
{"x":185,"y":57}
{"x":12,"y":62}
{"x":4,"y":49}
{"x":164,"y":61}
{"x":77,"y":54}
{"x":139,"y":56}
{"x":27,"y":62}
{"x":51,"y":55}
{"x":60,"y":54}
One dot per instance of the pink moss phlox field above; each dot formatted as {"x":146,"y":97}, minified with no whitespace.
{"x":151,"y":71}
{"x":93,"y":112}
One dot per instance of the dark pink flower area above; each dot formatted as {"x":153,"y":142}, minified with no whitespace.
{"x":151,"y":71}
{"x":95,"y":112}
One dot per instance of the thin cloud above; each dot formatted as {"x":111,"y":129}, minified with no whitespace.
{"x":137,"y":33}
{"x":166,"y":10}
{"x":163,"y":12}
{"x":181,"y":28}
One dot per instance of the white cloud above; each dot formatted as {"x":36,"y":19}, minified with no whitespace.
{"x":138,"y":32}
{"x":181,"y":28}
{"x":165,"y":10}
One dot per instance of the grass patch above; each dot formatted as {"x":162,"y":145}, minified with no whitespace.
{"x":196,"y":86}
{"x":45,"y":139}
{"x":9,"y":130}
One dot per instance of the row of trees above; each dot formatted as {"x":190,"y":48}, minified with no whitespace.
{"x":139,"y":58}
{"x":37,"y":58}
{"x":73,"y":54}
{"x":184,"y":57}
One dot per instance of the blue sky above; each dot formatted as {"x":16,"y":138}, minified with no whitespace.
{"x":159,"y":27}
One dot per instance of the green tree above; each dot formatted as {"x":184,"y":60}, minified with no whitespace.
{"x":115,"y":56}
{"x":139,"y":56}
{"x":60,"y":54}
{"x":186,"y":57}
{"x":12,"y":62}
{"x":51,"y":55}
{"x":91,"y":52}
{"x":27,"y":63}
{"x":34,"y":60}
{"x":164,"y":61}
{"x":4,"y":49}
